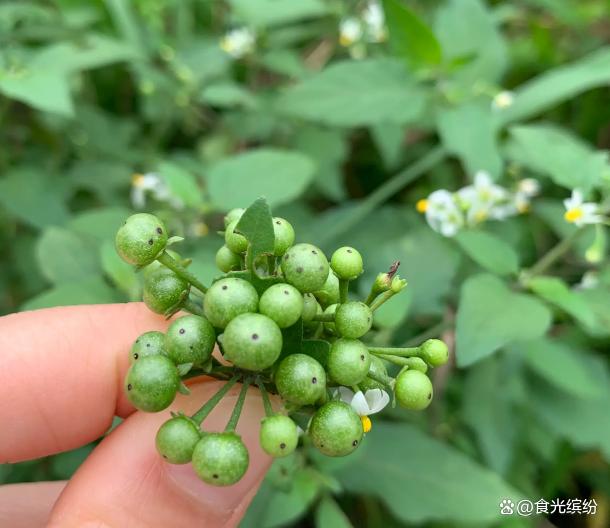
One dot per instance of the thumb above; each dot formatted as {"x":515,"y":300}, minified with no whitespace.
{"x":125,"y":482}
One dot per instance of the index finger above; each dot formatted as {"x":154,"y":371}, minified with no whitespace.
{"x":61,"y":375}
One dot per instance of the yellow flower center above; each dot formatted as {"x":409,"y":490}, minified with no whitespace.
{"x":200,"y":229}
{"x":366,"y":423}
{"x":523,"y":208}
{"x":345,"y":40}
{"x":572,"y":215}
{"x":226,"y":45}
{"x":480,"y":216}
{"x":422,"y":206}
{"x":137,"y":179}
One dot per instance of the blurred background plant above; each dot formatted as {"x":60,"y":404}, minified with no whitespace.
{"x":345,"y":115}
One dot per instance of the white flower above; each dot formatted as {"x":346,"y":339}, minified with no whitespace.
{"x":364,"y":404}
{"x":528,"y":187}
{"x":579,"y":212}
{"x":442,"y":213}
{"x":238,"y":42}
{"x":589,"y":281}
{"x":480,"y":199}
{"x":350,"y":31}
{"x":503,"y":100}
{"x":153,"y":184}
{"x":374,"y":20}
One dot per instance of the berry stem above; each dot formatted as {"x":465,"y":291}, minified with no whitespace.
{"x":208,"y":406}
{"x":168,"y":261}
{"x":384,"y":380}
{"x":232,"y":423}
{"x":191,"y":306}
{"x":381,"y":300}
{"x":553,"y":254}
{"x":343,"y":289}
{"x":265,"y":396}
{"x":324,"y":318}
{"x":397,"y":360}
{"x":399,"y":352}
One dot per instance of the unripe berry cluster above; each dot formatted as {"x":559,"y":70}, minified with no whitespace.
{"x":281,"y":319}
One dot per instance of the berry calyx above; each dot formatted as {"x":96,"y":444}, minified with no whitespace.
{"x":226,"y":260}
{"x":413,"y":390}
{"x":252,"y":341}
{"x":234,"y":241}
{"x":190,"y":339}
{"x":152,"y":382}
{"x":279,"y":435}
{"x":336,"y":429}
{"x":348,"y":362}
{"x":305,"y":267}
{"x":346,"y":262}
{"x":353,"y":319}
{"x":140,"y":239}
{"x":148,"y":344}
{"x":220,"y":459}
{"x":434,"y":352}
{"x":227,"y":298}
{"x":176,"y":439}
{"x":283,"y":303}
{"x":284,"y":236}
{"x":300,"y":379}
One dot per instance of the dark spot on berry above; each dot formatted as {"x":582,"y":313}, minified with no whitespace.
{"x":137,"y":340}
{"x":429,"y":395}
{"x":321,"y":445}
{"x":283,"y":471}
{"x":129,"y":387}
{"x":362,"y":357}
{"x":151,"y":242}
{"x":225,"y":287}
{"x":136,"y":356}
{"x":299,"y":269}
{"x":159,"y":230}
{"x":254,"y":337}
{"x":147,"y":345}
{"x":314,"y":380}
{"x":282,"y":445}
{"x":165,"y":456}
{"x":215,"y":476}
{"x":286,"y":292}
{"x":286,"y":257}
{"x":191,"y":347}
{"x":278,"y":222}
{"x":182,"y":330}
{"x":349,"y":250}
{"x":321,"y":268}
{"x":355,"y":443}
{"x":314,"y":251}
{"x":368,"y":319}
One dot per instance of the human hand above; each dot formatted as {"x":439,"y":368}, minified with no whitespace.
{"x":61,"y":384}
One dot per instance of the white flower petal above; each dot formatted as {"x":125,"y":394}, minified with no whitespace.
{"x":377,"y":399}
{"x":360,"y":405}
{"x":345,"y":394}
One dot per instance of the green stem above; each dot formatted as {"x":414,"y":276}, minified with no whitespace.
{"x":400,"y":352}
{"x":382,"y":193}
{"x":168,"y":261}
{"x":381,"y":300}
{"x":372,"y":296}
{"x":232,"y":423}
{"x":265,"y":396}
{"x":434,"y":331}
{"x":397,"y":360}
{"x":190,"y":306}
{"x":324,"y":317}
{"x":208,"y":406}
{"x":553,"y":254}
{"x":195,"y":373}
{"x":384,"y":380}
{"x":343,"y":289}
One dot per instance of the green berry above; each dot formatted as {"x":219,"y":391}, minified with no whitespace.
{"x":346,"y":262}
{"x":336,"y":429}
{"x":163,"y":290}
{"x":329,"y":293}
{"x":378,"y":369}
{"x":328,"y":326}
{"x":279,"y":435}
{"x":300,"y":379}
{"x":140,"y":239}
{"x":282,"y":303}
{"x":190,"y":339}
{"x":234,"y":241}
{"x":413,"y":390}
{"x":220,"y":459}
{"x":148,"y":344}
{"x":226,"y":260}
{"x":305,"y":267}
{"x":311,"y":307}
{"x":348,"y":362}
{"x":228,"y":298}
{"x":252,"y":341}
{"x":353,"y":319}
{"x":284,"y":236}
{"x":151,"y":383}
{"x":434,"y":352}
{"x":234,"y":215}
{"x":176,"y":439}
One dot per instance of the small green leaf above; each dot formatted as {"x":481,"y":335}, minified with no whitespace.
{"x":183,"y":389}
{"x":410,"y":38}
{"x":489,"y":251}
{"x":256,"y":224}
{"x":329,"y":515}
{"x":491,"y":316}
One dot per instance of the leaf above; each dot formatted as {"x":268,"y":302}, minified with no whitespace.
{"x":256,"y":224}
{"x":292,"y":338}
{"x":567,"y":367}
{"x":558,"y":85}
{"x":101,"y":224}
{"x":467,"y":28}
{"x":227,"y":95}
{"x":489,"y":251}
{"x":278,"y":175}
{"x":356,"y":93}
{"x":555,"y":291}
{"x":47,"y":91}
{"x":64,"y":256}
{"x":468,"y":132}
{"x":555,"y":152}
{"x":122,"y":274}
{"x":390,"y":140}
{"x":409,"y":471}
{"x":181,"y":183}
{"x":317,"y":349}
{"x":64,"y":465}
{"x":491,"y":316}
{"x":330,"y":515}
{"x":409,"y":37}
{"x":92,"y":290}
{"x":262,"y":13}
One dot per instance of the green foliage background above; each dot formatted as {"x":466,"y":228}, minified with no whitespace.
{"x":92,"y":92}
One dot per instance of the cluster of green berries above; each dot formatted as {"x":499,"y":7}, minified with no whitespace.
{"x":282,"y":320}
